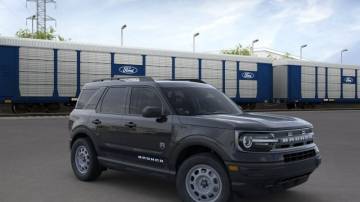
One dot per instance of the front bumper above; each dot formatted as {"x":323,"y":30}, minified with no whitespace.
{"x":272,"y":175}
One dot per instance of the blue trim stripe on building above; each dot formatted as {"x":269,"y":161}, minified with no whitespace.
{"x":78,"y":83}
{"x":341,"y":86}
{"x":326,"y":83}
{"x":112,"y":58}
{"x":316,"y":82}
{"x":173,"y":68}
{"x":237,"y":80}
{"x":55,"y":92}
{"x":356,"y":84}
{"x":200,"y":69}
{"x":223,"y":75}
{"x":144,"y":63}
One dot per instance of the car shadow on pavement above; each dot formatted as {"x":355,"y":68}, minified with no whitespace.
{"x":292,"y":195}
{"x":156,"y":187}
{"x":162,"y":189}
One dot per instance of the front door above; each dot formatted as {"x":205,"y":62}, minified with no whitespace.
{"x":147,"y":138}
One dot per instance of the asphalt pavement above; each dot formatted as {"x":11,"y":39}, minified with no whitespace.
{"x":35,"y":167}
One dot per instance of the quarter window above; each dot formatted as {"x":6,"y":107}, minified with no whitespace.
{"x":143,"y":97}
{"x":85,"y":95}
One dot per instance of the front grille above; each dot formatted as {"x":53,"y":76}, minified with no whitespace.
{"x":293,"y":138}
{"x":299,"y":156}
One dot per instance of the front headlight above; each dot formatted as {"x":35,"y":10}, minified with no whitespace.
{"x":255,"y":142}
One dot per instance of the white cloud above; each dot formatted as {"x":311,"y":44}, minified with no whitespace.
{"x":315,"y":11}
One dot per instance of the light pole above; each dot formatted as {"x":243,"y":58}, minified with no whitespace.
{"x":301,"y":47}
{"x":122,"y":34}
{"x":194,"y":36}
{"x":341,"y":58}
{"x":252,"y":45}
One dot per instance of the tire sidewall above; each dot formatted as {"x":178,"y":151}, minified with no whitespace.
{"x":209,"y":160}
{"x":93,"y":170}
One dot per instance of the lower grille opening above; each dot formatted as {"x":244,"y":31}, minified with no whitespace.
{"x":299,"y":156}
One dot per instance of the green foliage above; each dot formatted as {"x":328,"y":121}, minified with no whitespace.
{"x":238,"y":50}
{"x":287,"y":55}
{"x":48,"y":35}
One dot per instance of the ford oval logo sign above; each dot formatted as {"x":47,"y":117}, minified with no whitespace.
{"x":128,"y":70}
{"x":349,"y":80}
{"x":247,"y":75}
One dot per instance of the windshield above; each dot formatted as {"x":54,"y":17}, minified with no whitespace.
{"x":191,"y":101}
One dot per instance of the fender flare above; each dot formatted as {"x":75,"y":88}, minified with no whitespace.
{"x":199,"y":140}
{"x":85,"y":131}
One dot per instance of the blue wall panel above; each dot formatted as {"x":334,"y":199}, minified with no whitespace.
{"x":342,"y":86}
{"x":173,"y":68}
{"x":316,"y":82}
{"x":223,"y":76}
{"x":237,"y":80}
{"x":294,"y":83}
{"x":9,"y":72}
{"x":78,"y":73}
{"x":200,"y":69}
{"x":356,"y":84}
{"x":56,"y":92}
{"x":264,"y":82}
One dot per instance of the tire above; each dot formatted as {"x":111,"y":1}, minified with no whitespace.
{"x":84,"y":160}
{"x":213,"y":180}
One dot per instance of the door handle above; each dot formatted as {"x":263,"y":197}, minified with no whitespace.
{"x":130,"y":125}
{"x":96,"y":122}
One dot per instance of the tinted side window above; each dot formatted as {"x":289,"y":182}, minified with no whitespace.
{"x":84,"y":98}
{"x":114,"y":101}
{"x":143,"y":97}
{"x":94,"y":99}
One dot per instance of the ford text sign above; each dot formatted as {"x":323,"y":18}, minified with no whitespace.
{"x":349,"y":79}
{"x":247,"y":75}
{"x":128,"y":69}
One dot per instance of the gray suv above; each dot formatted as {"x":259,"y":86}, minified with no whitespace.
{"x":190,"y":132}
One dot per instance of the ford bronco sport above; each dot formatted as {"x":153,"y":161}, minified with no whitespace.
{"x":190,"y":131}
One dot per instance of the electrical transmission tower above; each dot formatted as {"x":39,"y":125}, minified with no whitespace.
{"x":41,"y":17}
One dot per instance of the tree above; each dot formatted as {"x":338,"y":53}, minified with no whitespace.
{"x":287,"y":55}
{"x":238,"y":50}
{"x":48,"y":35}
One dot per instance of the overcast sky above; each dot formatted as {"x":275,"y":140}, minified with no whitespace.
{"x":326,"y":25}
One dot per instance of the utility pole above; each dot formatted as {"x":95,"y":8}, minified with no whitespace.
{"x":41,"y":17}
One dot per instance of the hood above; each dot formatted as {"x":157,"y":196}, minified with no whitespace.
{"x":247,"y":121}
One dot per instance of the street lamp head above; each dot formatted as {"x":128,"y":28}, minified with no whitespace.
{"x":303,"y":46}
{"x":256,"y":40}
{"x":196,"y":34}
{"x":124,"y":26}
{"x":344,"y":50}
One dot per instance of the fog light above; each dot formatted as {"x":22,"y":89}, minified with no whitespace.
{"x":233,"y":168}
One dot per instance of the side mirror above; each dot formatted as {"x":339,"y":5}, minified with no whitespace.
{"x":152,"y":112}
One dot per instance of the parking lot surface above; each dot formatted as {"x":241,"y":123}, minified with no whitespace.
{"x":34,"y":166}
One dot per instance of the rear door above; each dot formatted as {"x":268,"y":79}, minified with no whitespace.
{"x":109,"y":120}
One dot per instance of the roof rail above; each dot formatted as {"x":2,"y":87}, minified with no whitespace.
{"x":191,"y":80}
{"x":127,"y":78}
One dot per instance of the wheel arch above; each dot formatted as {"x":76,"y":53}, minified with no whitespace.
{"x":191,"y":146}
{"x":82,"y":132}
